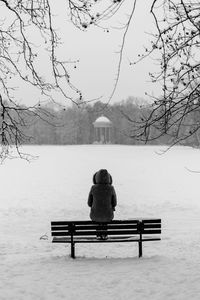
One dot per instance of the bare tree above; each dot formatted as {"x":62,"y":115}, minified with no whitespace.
{"x":20,"y":58}
{"x":175,"y":47}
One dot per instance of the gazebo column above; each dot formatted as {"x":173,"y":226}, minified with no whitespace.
{"x":108,"y":134}
{"x":95,"y":134}
{"x":101,"y":134}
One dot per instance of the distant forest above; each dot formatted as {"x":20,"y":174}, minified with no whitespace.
{"x":74,"y":125}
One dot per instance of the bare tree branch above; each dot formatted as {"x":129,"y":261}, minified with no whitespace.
{"x":176,"y":47}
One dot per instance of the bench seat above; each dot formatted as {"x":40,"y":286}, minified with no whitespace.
{"x":114,"y":239}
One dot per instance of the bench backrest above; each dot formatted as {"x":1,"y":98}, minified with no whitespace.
{"x":115,"y":227}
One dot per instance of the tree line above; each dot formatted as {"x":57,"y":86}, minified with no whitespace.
{"x":73,"y":125}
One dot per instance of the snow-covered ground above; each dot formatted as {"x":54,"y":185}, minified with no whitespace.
{"x":56,"y":187}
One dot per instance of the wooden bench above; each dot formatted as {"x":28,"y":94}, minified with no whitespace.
{"x":118,"y":231}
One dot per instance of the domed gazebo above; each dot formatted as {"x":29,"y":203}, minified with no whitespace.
{"x":102,"y":130}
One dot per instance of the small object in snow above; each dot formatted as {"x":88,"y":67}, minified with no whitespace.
{"x":44,"y":237}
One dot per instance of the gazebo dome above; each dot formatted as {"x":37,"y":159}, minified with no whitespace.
{"x":102,"y":121}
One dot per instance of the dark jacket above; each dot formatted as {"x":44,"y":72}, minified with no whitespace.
{"x":102,"y":197}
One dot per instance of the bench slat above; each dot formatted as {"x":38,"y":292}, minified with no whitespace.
{"x":94,"y":227}
{"x":149,"y":221}
{"x":106,"y":226}
{"x":109,"y":232}
{"x":109,"y":240}
{"x":109,"y":226}
{"x":157,"y":231}
{"x":151,"y":225}
{"x":129,"y":221}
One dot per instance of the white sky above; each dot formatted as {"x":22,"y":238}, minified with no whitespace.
{"x":96,"y":51}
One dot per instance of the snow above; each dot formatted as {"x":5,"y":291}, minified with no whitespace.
{"x":56,"y":185}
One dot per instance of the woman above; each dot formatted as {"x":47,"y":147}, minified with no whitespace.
{"x":102,"y":199}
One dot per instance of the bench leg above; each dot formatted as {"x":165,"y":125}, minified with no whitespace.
{"x":72,"y":250}
{"x":140,"y":248}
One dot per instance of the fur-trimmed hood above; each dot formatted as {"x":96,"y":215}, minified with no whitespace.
{"x":102,"y":177}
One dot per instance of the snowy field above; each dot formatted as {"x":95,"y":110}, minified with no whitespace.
{"x":56,"y":186}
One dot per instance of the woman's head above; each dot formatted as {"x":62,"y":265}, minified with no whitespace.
{"x":102,"y":177}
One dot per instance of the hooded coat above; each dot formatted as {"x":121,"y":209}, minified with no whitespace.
{"x":102,"y":197}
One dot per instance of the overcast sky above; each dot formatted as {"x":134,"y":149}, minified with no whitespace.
{"x":97,"y":50}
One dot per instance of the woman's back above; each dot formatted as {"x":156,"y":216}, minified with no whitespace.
{"x":102,"y":197}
